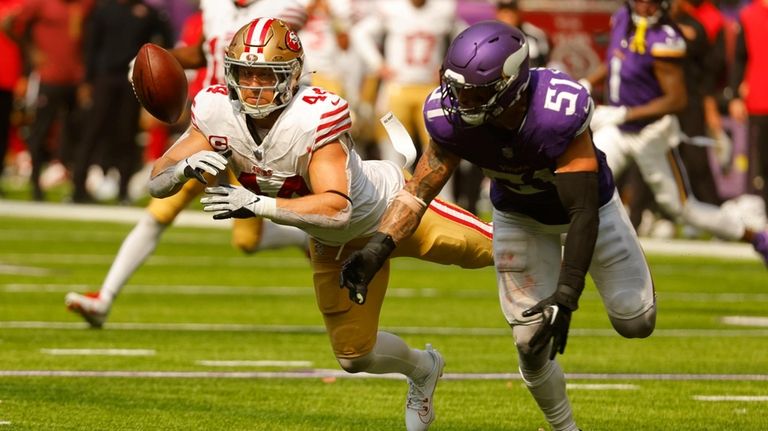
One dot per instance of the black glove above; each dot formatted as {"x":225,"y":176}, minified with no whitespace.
{"x":360,"y":267}
{"x":556,"y":313}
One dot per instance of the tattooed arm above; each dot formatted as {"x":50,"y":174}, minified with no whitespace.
{"x":400,"y":220}
{"x":432,"y":172}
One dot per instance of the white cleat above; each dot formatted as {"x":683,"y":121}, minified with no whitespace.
{"x":419,"y":412}
{"x":89,"y":306}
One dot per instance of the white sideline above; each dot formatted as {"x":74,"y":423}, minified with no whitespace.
{"x":191,"y":218}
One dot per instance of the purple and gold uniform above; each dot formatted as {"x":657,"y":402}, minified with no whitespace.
{"x":633,"y":54}
{"x":521,"y":163}
{"x":631,"y":81}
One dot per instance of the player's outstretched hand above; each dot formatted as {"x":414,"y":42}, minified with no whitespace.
{"x":235,"y":202}
{"x":203,"y":161}
{"x":556,"y":320}
{"x":361,"y":266}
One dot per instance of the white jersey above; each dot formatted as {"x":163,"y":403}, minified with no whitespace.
{"x":415,"y":38}
{"x":278,"y":166}
{"x":222,"y":19}
{"x":321,"y":49}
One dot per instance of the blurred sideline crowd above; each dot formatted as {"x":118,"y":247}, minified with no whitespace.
{"x":68,"y":114}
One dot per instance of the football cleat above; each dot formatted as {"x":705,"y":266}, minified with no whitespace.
{"x":419,"y":412}
{"x":89,"y":306}
{"x":760,"y":243}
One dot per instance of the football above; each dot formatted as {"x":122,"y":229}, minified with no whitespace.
{"x":159,"y":83}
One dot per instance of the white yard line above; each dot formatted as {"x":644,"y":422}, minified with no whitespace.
{"x":329,"y":373}
{"x":392,"y":291}
{"x":410,"y":330}
{"x":262,"y":363}
{"x":192,"y":218}
{"x":99,"y":352}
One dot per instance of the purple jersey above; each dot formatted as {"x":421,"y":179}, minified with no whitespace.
{"x":631,"y":80}
{"x":521,"y":163}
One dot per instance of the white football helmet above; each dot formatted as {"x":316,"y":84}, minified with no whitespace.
{"x":262,"y":66}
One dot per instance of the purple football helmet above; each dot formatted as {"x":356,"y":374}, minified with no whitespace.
{"x":484,"y":72}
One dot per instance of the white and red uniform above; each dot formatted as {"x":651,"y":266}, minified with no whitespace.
{"x":221,"y":19}
{"x":278,"y":167}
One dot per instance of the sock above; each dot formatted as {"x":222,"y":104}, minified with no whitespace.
{"x":136,"y":247}
{"x":392,"y":355}
{"x":547,"y":385}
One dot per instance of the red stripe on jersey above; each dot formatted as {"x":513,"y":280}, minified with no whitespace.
{"x":461,"y":216}
{"x":332,"y":122}
{"x":335,"y":111}
{"x":335,"y":132}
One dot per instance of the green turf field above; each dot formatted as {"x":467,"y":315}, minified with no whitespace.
{"x":197,"y":306}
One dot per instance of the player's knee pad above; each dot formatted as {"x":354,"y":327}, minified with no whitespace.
{"x":356,"y":365}
{"x":530,"y":363}
{"x":640,"y":326}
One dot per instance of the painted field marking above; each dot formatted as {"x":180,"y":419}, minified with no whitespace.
{"x":308,"y":291}
{"x":262,"y":363}
{"x":193,"y":218}
{"x":745,"y":321}
{"x":99,"y":352}
{"x":742,"y":398}
{"x":5,"y":422}
{"x":602,"y":386}
{"x":23,"y":270}
{"x":408,"y":330}
{"x":328,"y":373}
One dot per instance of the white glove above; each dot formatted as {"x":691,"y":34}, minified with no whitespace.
{"x":237,"y":202}
{"x":723,"y":149}
{"x":194,"y":166}
{"x":130,"y":69}
{"x":604,"y":116}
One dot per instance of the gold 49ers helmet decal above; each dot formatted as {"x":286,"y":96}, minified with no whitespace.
{"x":262,"y":66}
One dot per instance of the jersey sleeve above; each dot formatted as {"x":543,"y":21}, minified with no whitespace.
{"x":667,"y":44}
{"x":206,"y":105}
{"x":334,"y":120}
{"x":559,"y":111}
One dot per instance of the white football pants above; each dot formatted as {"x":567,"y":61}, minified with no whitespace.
{"x":662,"y":170}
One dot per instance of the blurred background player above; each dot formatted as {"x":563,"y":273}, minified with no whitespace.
{"x":220,"y":20}
{"x":510,"y":12}
{"x":414,"y":34}
{"x":645,"y":88}
{"x":10,"y":75}
{"x":290,"y":146}
{"x":748,"y":91}
{"x":116,"y":29}
{"x":51,"y":34}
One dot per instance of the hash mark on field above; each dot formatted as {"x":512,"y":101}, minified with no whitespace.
{"x":263,"y":363}
{"x":602,"y":386}
{"x":99,"y":352}
{"x":745,"y":321}
{"x":745,"y":398}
